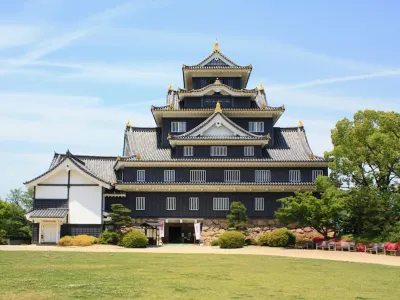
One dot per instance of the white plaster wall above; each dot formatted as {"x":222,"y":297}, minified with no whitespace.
{"x":78,"y":178}
{"x":218,"y":131}
{"x":61,"y":177}
{"x":85,"y":205}
{"x":51,"y":192}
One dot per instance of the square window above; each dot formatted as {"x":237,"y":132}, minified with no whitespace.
{"x":140,"y":203}
{"x":294,"y":176}
{"x":193,"y":203}
{"x":197,"y":175}
{"x":188,"y":151}
{"x":178,"y":126}
{"x":218,"y":151}
{"x":220,"y":203}
{"x":256,"y":126}
{"x":249,"y":151}
{"x":141,"y":175}
{"x":171,"y":203}
{"x":316,"y":173}
{"x":169,"y":175}
{"x":262,"y":176}
{"x":232,"y":175}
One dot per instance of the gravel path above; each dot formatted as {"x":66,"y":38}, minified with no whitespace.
{"x":250,"y":250}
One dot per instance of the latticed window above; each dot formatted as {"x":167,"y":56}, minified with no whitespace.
{"x":140,"y":203}
{"x":294,"y":176}
{"x":232,"y":176}
{"x":171,"y":203}
{"x":141,"y":175}
{"x":178,"y":126}
{"x":193,"y":203}
{"x":316,"y":173}
{"x":197,"y":175}
{"x":218,"y":151}
{"x":188,"y":151}
{"x":220,"y":203}
{"x":262,"y":175}
{"x":256,"y":126}
{"x":249,"y":151}
{"x":259,"y":204}
{"x":169,"y":175}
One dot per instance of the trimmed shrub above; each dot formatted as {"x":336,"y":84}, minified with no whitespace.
{"x":66,"y":241}
{"x":214,"y":242}
{"x":231,"y":239}
{"x":263,"y":240}
{"x":109,"y":237}
{"x":79,"y":240}
{"x":281,"y":238}
{"x":134,"y":239}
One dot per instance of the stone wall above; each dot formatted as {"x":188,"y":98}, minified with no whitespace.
{"x":213,"y":228}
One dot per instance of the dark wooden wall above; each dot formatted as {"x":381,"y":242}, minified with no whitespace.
{"x":217,"y":174}
{"x":200,"y":82}
{"x":155,"y":204}
{"x":204,"y":151}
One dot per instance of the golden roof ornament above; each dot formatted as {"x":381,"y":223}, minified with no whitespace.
{"x":118,"y":158}
{"x":171,"y":106}
{"x":128,"y":124}
{"x":216,"y":46}
{"x":311,"y":156}
{"x":217,"y":81}
{"x":301,"y":123}
{"x":218,"y":108}
{"x":261,"y":87}
{"x":138,"y":156}
{"x":263,"y":106}
{"x":169,"y":136}
{"x":115,"y":181}
{"x":170,"y":87}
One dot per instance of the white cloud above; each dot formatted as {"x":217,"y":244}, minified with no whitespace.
{"x":384,"y":73}
{"x":18,"y":35}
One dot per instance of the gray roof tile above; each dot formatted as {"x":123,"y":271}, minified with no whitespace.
{"x":290,"y":145}
{"x":49,"y":213}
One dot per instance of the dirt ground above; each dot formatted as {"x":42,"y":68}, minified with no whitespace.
{"x":250,"y":250}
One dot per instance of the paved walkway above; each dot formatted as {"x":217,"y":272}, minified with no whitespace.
{"x":250,"y":250}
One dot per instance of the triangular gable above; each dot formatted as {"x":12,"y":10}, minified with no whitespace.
{"x":65,"y":163}
{"x":216,"y":58}
{"x":218,"y":125}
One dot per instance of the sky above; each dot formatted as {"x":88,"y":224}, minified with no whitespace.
{"x":73,"y":72}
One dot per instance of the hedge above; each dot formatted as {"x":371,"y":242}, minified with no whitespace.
{"x":231,"y":239}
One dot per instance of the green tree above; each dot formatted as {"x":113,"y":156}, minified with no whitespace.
{"x":325,"y":213}
{"x":118,"y":216}
{"x":13,"y":221}
{"x":367,"y":150}
{"x":366,"y":157}
{"x":23,"y":199}
{"x":237,"y":218}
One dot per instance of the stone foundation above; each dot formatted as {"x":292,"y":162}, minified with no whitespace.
{"x":213,"y":228}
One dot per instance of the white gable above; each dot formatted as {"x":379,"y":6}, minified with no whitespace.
{"x":216,"y":56}
{"x":218,"y":126}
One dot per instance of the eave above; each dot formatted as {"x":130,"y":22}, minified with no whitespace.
{"x":219,"y":187}
{"x":218,"y":141}
{"x":217,"y":163}
{"x":166,"y":112}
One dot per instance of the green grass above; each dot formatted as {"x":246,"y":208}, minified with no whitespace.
{"x":62,"y":275}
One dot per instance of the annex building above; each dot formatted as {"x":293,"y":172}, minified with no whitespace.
{"x":214,"y":142}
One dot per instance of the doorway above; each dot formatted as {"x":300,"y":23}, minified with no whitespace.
{"x":49,"y":232}
{"x":175,"y":234}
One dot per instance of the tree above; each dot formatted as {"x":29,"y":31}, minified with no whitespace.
{"x":237,"y":218}
{"x":366,"y":156}
{"x":13,"y":221}
{"x":367,"y":150}
{"x":325,"y":213}
{"x":23,"y":199}
{"x":117,"y":216}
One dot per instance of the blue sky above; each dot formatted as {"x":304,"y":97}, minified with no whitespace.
{"x":73,"y":72}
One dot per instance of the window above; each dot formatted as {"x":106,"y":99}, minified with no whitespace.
{"x":294,"y":176}
{"x":262,"y":176}
{"x":193,"y":203}
{"x":316,"y":173}
{"x":178,"y":126}
{"x":232,"y":176}
{"x":171,"y":203}
{"x":218,"y":150}
{"x":249,"y":151}
{"x":188,"y":151}
{"x":140,"y":203}
{"x":256,"y":126}
{"x":258,"y":204}
{"x":141,"y":175}
{"x":220,"y":203}
{"x":197,"y":175}
{"x":169,"y":175}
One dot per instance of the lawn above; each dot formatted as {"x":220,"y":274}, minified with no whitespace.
{"x":61,"y":275}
